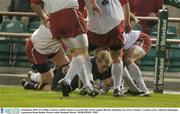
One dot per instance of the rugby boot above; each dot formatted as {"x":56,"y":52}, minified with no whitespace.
{"x":88,"y":91}
{"x":64,"y":87}
{"x":29,"y":76}
{"x":118,"y":93}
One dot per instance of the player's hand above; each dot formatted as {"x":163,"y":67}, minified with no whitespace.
{"x":45,"y":21}
{"x":127,"y":26}
{"x":96,"y":10}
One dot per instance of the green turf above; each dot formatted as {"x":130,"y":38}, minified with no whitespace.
{"x":18,"y":97}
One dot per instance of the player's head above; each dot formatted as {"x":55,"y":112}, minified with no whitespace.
{"x":103,"y":61}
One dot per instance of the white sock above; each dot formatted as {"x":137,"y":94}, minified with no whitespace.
{"x":122,"y":84}
{"x":76,"y":66}
{"x":135,"y":71}
{"x":36,"y":77}
{"x":129,"y":81}
{"x":84,"y":78}
{"x":88,"y":67}
{"x":117,"y":70}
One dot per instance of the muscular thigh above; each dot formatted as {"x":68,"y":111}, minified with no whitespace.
{"x":60,"y":58}
{"x":79,"y":41}
{"x":135,"y":53}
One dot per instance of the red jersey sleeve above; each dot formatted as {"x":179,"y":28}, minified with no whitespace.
{"x":123,"y":2}
{"x":36,"y":1}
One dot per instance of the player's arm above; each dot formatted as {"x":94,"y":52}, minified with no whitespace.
{"x":126,"y":10}
{"x":133,"y":19}
{"x":36,"y":7}
{"x":95,"y":7}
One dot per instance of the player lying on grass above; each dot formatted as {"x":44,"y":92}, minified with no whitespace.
{"x":98,"y":65}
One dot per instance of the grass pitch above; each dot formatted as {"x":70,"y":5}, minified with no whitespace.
{"x":18,"y":97}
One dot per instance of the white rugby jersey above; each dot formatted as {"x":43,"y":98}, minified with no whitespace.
{"x":112,"y":15}
{"x":130,"y":38}
{"x":43,"y":41}
{"x":52,"y":6}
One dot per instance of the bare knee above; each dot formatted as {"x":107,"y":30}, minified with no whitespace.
{"x":128,"y":61}
{"x":79,"y":51}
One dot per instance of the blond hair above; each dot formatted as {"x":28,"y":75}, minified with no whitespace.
{"x":104,"y":56}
